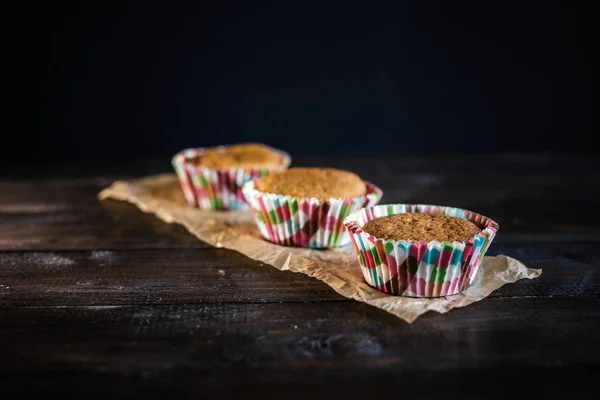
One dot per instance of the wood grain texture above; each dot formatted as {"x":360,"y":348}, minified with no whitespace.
{"x":207,"y":347}
{"x":149,"y":277}
{"x":532,"y":200}
{"x":302,"y":336}
{"x":67,"y":215}
{"x":98,"y":299}
{"x":192,"y":276}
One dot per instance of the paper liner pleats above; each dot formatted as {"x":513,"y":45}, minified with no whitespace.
{"x":418,"y":269}
{"x":305,"y":222}
{"x":217,"y":189}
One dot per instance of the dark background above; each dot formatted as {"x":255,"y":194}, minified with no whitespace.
{"x":124,"y":79}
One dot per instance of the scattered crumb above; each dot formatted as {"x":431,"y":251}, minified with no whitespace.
{"x":104,"y":256}
{"x":295,"y":326}
{"x":32,"y":208}
{"x":51,"y":260}
{"x":221,"y":272}
{"x":17,"y":263}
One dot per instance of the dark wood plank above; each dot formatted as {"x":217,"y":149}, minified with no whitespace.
{"x":175,"y":318}
{"x":568,"y":269}
{"x":148,"y":277}
{"x":530,"y":205}
{"x":200,"y":347}
{"x":101,"y":278}
{"x":66,"y":214}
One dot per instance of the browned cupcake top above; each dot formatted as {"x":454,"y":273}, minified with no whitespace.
{"x":322,"y":183}
{"x":422,"y":226}
{"x":244,"y":155}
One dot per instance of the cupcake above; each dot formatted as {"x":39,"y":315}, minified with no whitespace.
{"x":212,"y":178}
{"x":305,"y":207}
{"x":419,"y":250}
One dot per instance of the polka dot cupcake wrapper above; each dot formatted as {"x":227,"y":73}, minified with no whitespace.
{"x":418,"y":269}
{"x":305,"y":222}
{"x":217,"y":189}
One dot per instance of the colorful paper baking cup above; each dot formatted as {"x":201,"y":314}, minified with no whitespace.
{"x":419,"y":269}
{"x":217,"y":189}
{"x":305,"y":222}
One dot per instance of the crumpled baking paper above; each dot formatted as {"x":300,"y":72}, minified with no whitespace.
{"x":162,"y":196}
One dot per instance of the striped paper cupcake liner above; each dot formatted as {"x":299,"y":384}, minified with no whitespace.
{"x":217,"y":189}
{"x":305,"y":222}
{"x":419,"y":269}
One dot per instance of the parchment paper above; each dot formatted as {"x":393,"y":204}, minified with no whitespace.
{"x":161,"y":195}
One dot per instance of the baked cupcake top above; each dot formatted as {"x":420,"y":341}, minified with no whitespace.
{"x":422,"y":226}
{"x":321,"y":183}
{"x":244,"y":155}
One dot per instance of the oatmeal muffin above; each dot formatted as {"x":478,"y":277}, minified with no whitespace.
{"x":422,"y":226}
{"x":320,"y":183}
{"x":305,"y":207}
{"x":419,"y":250}
{"x":245,"y":155}
{"x":212,"y":178}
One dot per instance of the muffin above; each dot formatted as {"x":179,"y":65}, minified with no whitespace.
{"x":419,"y":250}
{"x":422,"y":226}
{"x":305,"y":207}
{"x":212,"y":178}
{"x":244,"y":156}
{"x":320,"y":183}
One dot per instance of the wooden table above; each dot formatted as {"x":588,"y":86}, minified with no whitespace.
{"x":98,"y":299}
